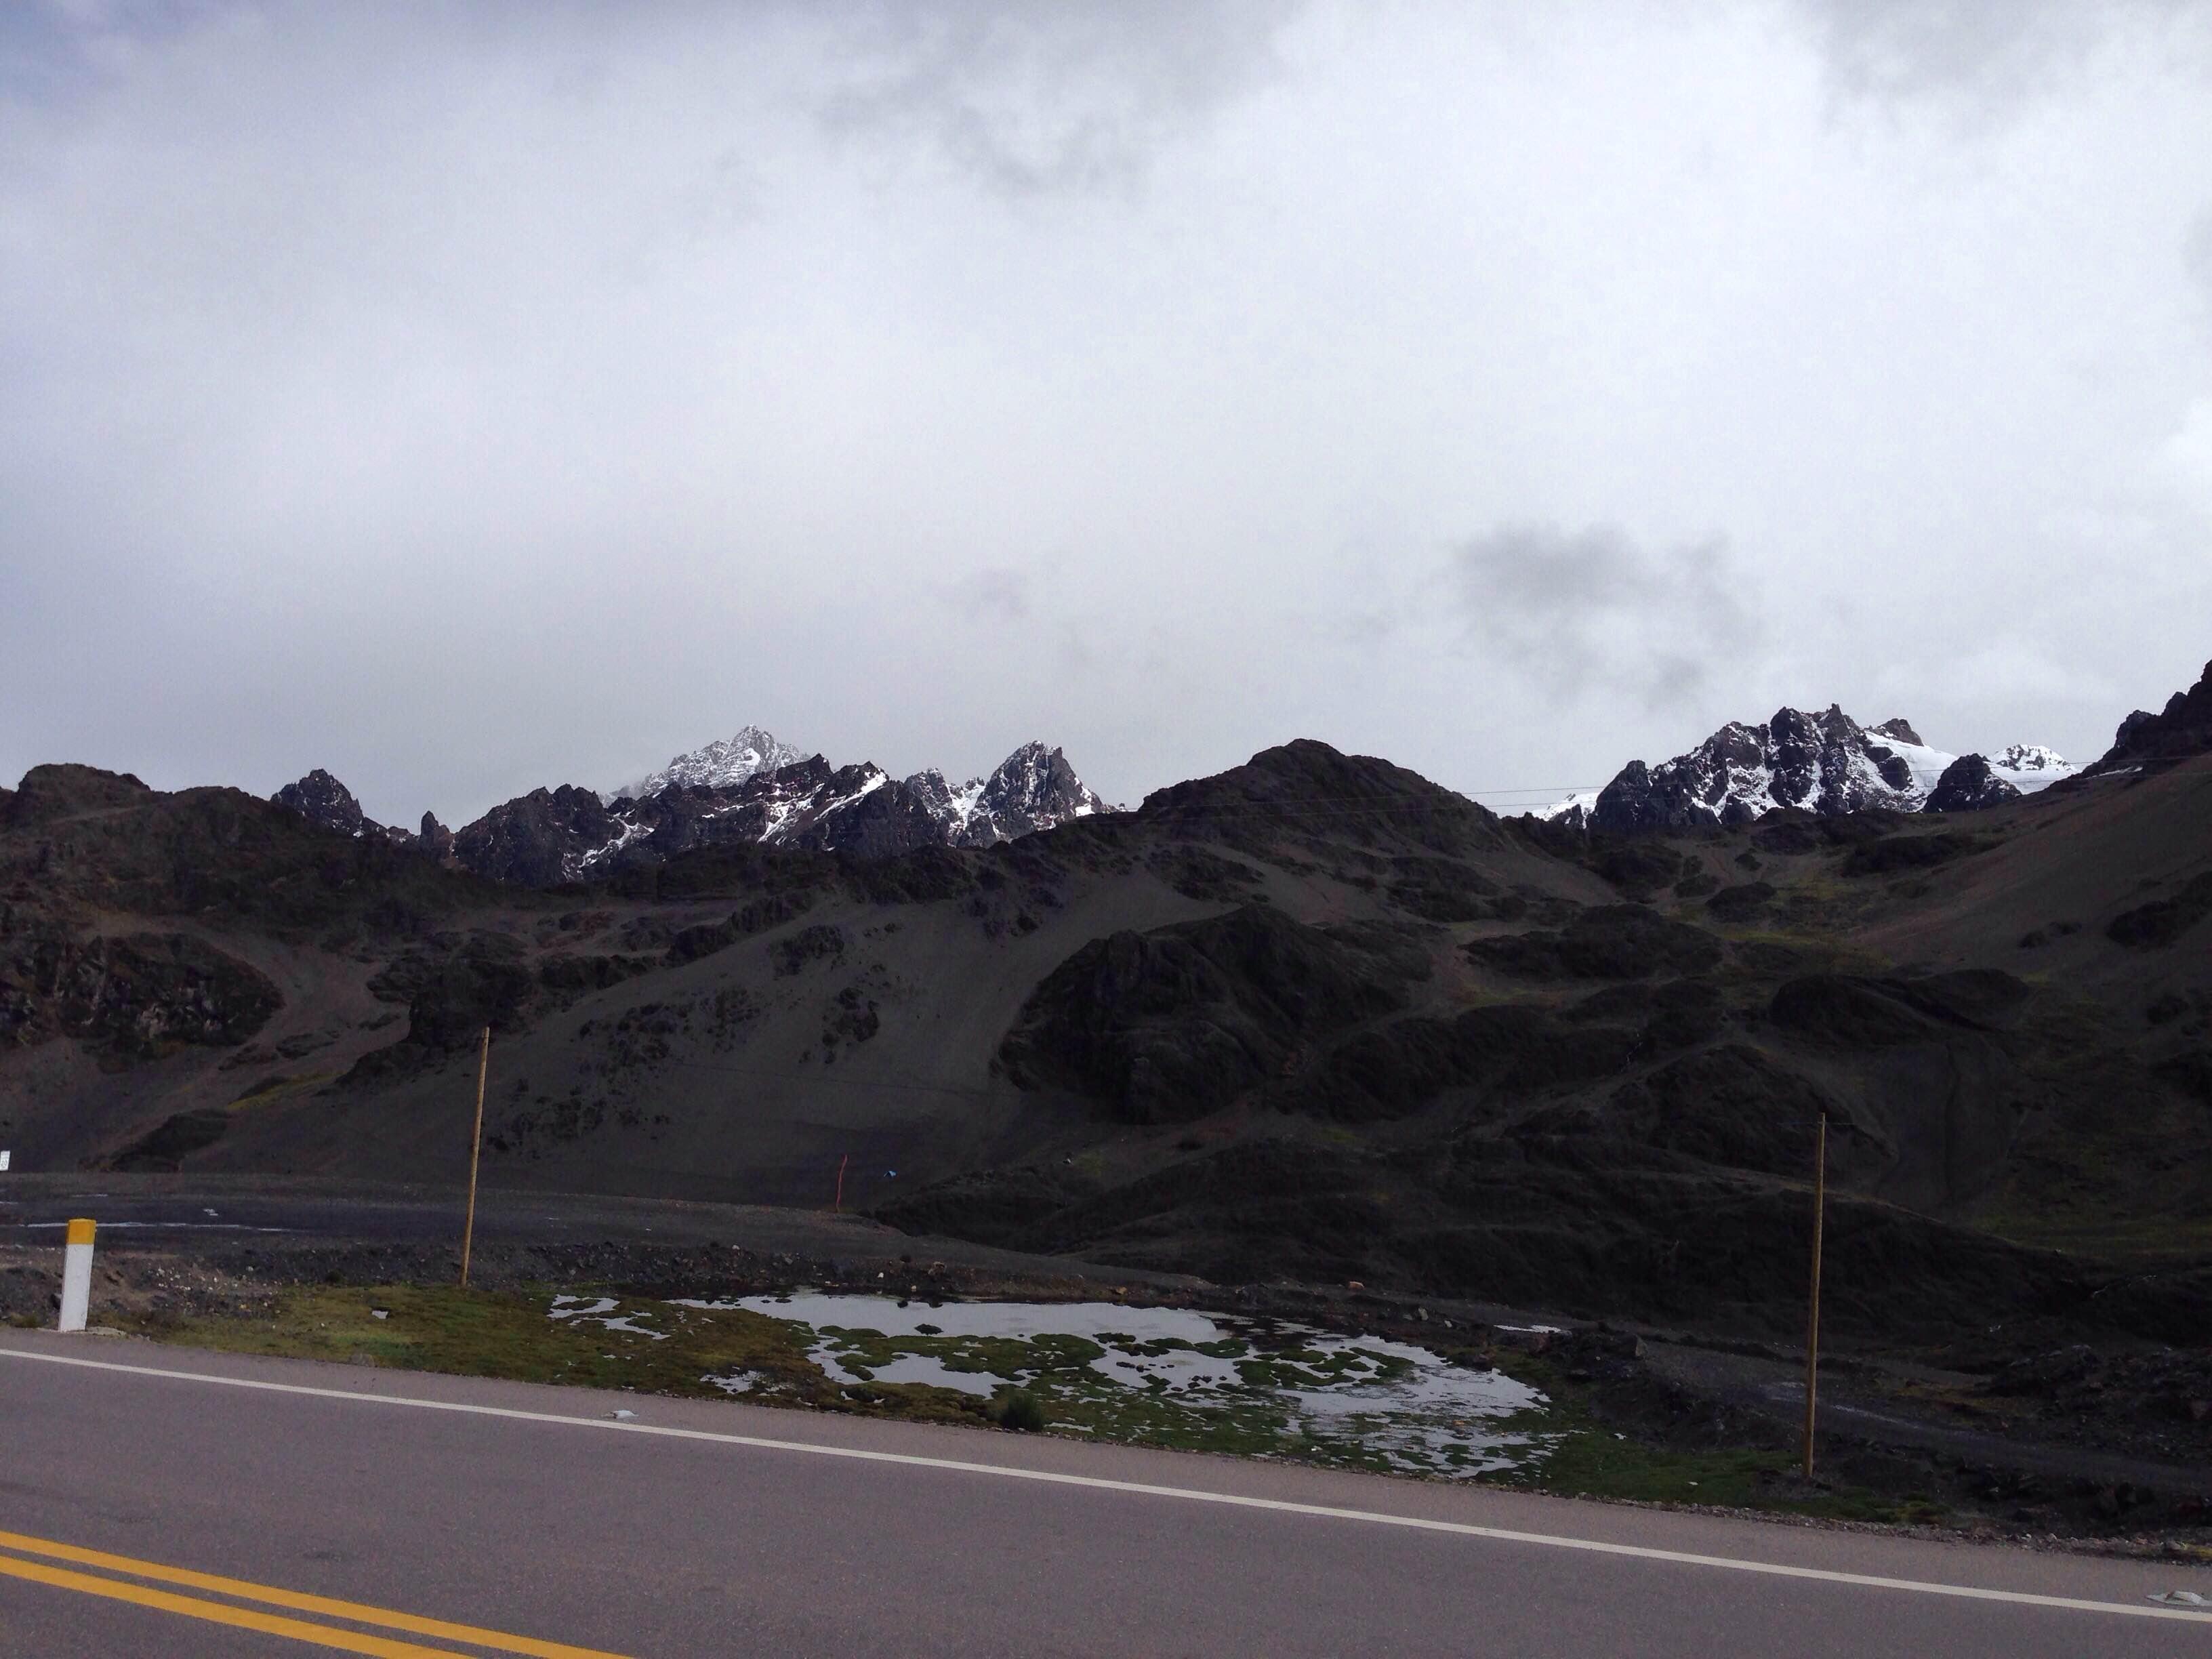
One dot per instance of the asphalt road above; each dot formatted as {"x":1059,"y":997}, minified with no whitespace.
{"x":216,"y":1212}
{"x":526,"y":1515}
{"x":173,"y":1209}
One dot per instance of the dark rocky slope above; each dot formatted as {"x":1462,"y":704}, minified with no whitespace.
{"x":2181,"y":729}
{"x":1314,"y":1017}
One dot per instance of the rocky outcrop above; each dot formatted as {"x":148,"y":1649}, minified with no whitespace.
{"x":1307,"y":789}
{"x":1969,"y":785}
{"x":435,"y":842}
{"x":1168,"y":1026}
{"x":324,"y":801}
{"x":137,"y":997}
{"x":720,"y":765}
{"x":860,"y":810}
{"x":1034,"y":788}
{"x":1827,"y":763}
{"x":536,"y":840}
{"x":751,"y":789}
{"x":321,"y":799}
{"x":812,"y":806}
{"x":2161,"y":921}
{"x":59,"y":792}
{"x":2182,"y":728}
{"x":1609,"y":942}
{"x":567,"y":834}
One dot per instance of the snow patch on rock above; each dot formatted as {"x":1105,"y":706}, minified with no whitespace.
{"x":1824,"y":763}
{"x":720,"y":765}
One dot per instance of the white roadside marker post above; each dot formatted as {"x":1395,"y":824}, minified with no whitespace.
{"x":76,"y":1275}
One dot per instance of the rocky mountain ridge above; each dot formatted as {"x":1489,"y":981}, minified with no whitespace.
{"x":720,"y":765}
{"x":1033,"y":788}
{"x":323,"y":799}
{"x":2181,"y":729}
{"x":1316,"y":1017}
{"x":1826,"y":763}
{"x":725,"y":795}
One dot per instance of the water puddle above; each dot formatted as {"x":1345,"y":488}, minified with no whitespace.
{"x":601,"y":1312}
{"x":1264,"y":1386}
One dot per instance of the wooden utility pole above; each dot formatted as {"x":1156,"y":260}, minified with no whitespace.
{"x":1813,"y":1312}
{"x":476,"y":1150}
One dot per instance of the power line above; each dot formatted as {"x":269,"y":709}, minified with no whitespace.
{"x":1312,"y":806}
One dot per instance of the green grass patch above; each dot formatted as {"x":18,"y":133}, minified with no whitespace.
{"x":1594,"y":1462}
{"x":509,"y":1335}
{"x":1044,"y":1382}
{"x":1588,"y":1460}
{"x":272,"y":1089}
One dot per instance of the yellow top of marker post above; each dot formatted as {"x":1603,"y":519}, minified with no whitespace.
{"x":80,"y":1232}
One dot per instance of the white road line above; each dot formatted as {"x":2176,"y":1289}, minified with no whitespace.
{"x":1190,"y":1495}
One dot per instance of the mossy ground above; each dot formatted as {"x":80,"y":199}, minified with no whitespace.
{"x":509,"y":1335}
{"x":2117,"y":1176}
{"x":1057,"y":1371}
{"x":1591,"y":1460}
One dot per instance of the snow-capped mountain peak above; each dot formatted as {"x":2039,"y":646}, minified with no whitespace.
{"x":950,"y":804}
{"x":1033,"y":788}
{"x":1574,"y":810}
{"x":750,"y":790}
{"x":722,"y":765}
{"x":2030,"y":758}
{"x":1824,"y":763}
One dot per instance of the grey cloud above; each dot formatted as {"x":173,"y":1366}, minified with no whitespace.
{"x":992,"y":595}
{"x":1989,"y":48}
{"x":1364,"y":627}
{"x":2196,"y":250}
{"x":1589,"y":609}
{"x":372,"y":379}
{"x":1035,"y":100}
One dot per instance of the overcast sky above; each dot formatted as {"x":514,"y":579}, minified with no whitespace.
{"x":468,"y":398}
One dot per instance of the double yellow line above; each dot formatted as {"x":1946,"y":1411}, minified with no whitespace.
{"x":113,"y":1575}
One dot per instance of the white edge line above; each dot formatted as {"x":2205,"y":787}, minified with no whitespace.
{"x":1053,"y":1477}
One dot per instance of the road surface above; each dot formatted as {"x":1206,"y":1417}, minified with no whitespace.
{"x":220,"y":1214}
{"x":156,"y":1500}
